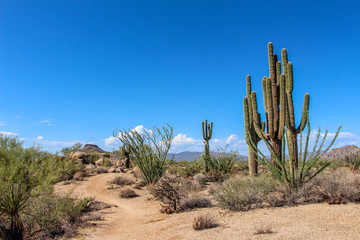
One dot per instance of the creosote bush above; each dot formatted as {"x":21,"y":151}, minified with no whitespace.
{"x":204,"y":222}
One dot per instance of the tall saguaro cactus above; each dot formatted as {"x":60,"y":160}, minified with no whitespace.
{"x":207,"y":134}
{"x":250,"y":133}
{"x":279,"y":108}
{"x":293,"y":131}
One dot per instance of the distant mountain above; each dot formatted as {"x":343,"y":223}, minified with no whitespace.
{"x":189,"y":156}
{"x":343,"y":153}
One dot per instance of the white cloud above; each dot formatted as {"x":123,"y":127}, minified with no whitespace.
{"x":48,"y":122}
{"x":111,"y":141}
{"x":114,"y":141}
{"x":39,"y":138}
{"x":10,"y":134}
{"x":2,"y":123}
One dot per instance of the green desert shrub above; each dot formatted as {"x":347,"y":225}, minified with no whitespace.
{"x":187,"y":168}
{"x":149,"y":150}
{"x":51,"y":215}
{"x":222,"y":161}
{"x":241,"y":194}
{"x":26,"y":174}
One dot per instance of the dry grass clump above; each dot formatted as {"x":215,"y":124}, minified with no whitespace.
{"x":127,"y":193}
{"x":122,"y":181}
{"x":196,"y":202}
{"x":263,"y":229}
{"x":204,"y":222}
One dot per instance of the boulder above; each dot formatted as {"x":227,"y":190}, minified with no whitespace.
{"x":111,"y":170}
{"x":101,"y":170}
{"x":99,"y":162}
{"x":78,"y":155}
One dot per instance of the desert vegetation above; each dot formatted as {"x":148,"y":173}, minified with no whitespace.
{"x":295,"y":173}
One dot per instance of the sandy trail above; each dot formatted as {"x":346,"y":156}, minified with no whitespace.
{"x":139,"y":218}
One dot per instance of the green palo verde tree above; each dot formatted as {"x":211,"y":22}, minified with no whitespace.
{"x":207,"y":134}
{"x":279,"y":108}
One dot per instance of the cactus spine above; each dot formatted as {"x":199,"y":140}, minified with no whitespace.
{"x":279,"y":108}
{"x":250,"y":133}
{"x":207,"y":134}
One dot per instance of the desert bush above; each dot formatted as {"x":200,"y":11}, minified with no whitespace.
{"x":127,"y":193}
{"x":241,"y":194}
{"x":121,"y":181}
{"x":169,"y":191}
{"x":26,"y":174}
{"x":222,"y":161}
{"x":200,"y":178}
{"x":51,"y":215}
{"x":204,"y":222}
{"x":187,"y":168}
{"x":196,"y":201}
{"x":149,"y":150}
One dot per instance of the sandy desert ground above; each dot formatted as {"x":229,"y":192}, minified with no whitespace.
{"x":139,"y":218}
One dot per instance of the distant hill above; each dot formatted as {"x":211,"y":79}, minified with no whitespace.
{"x":189,"y":156}
{"x":343,"y":153}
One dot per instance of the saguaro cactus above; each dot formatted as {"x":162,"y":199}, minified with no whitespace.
{"x":279,"y":107}
{"x":207,"y":134}
{"x":126,"y":153}
{"x":250,"y":133}
{"x":293,"y":131}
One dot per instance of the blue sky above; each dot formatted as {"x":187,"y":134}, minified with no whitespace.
{"x":77,"y":70}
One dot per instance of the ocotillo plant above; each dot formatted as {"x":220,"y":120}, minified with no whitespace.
{"x":250,"y":130}
{"x":207,"y":134}
{"x":126,"y":153}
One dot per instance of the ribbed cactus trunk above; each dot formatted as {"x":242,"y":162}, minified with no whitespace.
{"x":293,"y":131}
{"x":207,"y":134}
{"x":279,"y":108}
{"x":250,"y":134}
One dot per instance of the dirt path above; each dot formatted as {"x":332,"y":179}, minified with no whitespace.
{"x":139,"y":218}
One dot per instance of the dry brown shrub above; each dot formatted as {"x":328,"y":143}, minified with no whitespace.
{"x":193,"y":202}
{"x":122,"y":181}
{"x":204,"y":222}
{"x":127,"y":193}
{"x":263,"y":229}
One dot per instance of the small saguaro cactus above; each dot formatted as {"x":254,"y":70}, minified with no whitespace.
{"x":207,"y":134}
{"x":126,"y":153}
